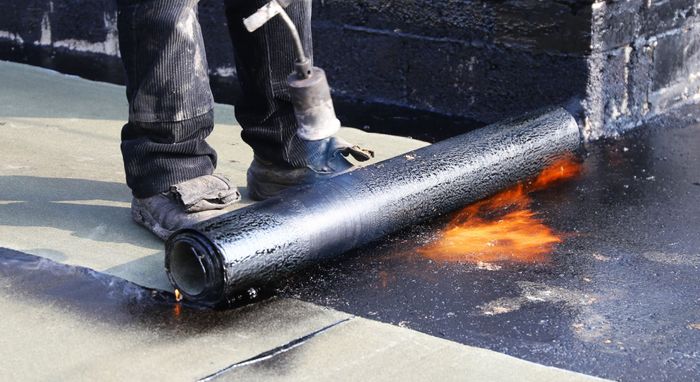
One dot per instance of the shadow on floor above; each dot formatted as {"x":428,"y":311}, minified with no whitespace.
{"x":90,"y":209}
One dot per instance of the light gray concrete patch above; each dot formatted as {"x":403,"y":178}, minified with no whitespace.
{"x":365,"y":350}
{"x":42,"y":342}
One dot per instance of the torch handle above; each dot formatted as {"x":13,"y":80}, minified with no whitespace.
{"x":265,"y":14}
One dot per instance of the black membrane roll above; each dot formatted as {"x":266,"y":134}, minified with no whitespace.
{"x":264,"y":242}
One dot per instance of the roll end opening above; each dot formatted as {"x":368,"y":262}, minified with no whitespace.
{"x":187,"y":270}
{"x":193,"y":266}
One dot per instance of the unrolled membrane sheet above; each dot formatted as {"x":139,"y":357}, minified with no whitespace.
{"x":262,"y":243}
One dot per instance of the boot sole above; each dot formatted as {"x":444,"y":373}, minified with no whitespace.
{"x":260,"y":191}
{"x":143,"y":218}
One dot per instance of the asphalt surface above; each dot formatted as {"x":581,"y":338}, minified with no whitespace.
{"x":619,"y":298}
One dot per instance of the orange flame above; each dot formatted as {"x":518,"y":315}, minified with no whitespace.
{"x":502,"y":227}
{"x":561,"y":170}
{"x":177,"y":308}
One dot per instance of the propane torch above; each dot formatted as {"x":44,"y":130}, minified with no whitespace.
{"x":308,"y":86}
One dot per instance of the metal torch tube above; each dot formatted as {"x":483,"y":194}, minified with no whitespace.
{"x":301,"y":55}
{"x":264,"y":242}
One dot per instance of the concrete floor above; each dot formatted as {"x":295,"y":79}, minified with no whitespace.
{"x":79,"y":282}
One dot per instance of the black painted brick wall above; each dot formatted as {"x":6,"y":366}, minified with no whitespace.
{"x":480,"y":59}
{"x":645,"y":60}
{"x":614,"y":63}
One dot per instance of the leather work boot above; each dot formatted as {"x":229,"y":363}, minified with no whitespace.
{"x":327,"y":158}
{"x":185,"y":204}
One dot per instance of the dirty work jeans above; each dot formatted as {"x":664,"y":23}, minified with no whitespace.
{"x":170,"y":102}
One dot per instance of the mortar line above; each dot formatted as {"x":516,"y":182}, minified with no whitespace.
{"x":274,"y":351}
{"x":469,"y":42}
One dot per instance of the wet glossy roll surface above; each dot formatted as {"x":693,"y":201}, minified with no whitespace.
{"x":264,"y":242}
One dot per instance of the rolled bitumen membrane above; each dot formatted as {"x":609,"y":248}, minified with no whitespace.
{"x":254,"y":246}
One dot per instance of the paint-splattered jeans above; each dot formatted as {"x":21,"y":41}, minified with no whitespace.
{"x":170,"y":101}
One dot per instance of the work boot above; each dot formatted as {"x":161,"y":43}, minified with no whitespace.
{"x":185,"y":204}
{"x":326,"y":158}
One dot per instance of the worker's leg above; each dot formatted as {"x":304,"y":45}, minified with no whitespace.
{"x":167,"y":161}
{"x":170,"y":102}
{"x":264,"y":59}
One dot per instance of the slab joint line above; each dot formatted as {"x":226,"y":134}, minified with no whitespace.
{"x":274,"y":351}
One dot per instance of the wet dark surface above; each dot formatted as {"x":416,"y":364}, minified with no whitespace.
{"x":98,"y":297}
{"x":619,"y":298}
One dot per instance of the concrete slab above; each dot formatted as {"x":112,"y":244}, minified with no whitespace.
{"x":365,"y":350}
{"x":61,"y":322}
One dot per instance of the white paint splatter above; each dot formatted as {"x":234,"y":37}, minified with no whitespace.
{"x":109,"y":47}
{"x":45,"y":38}
{"x":186,"y":25}
{"x":534,"y":293}
{"x":488,"y":266}
{"x":225,"y":71}
{"x":11,"y":36}
{"x":81,"y":45}
{"x":112,"y":39}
